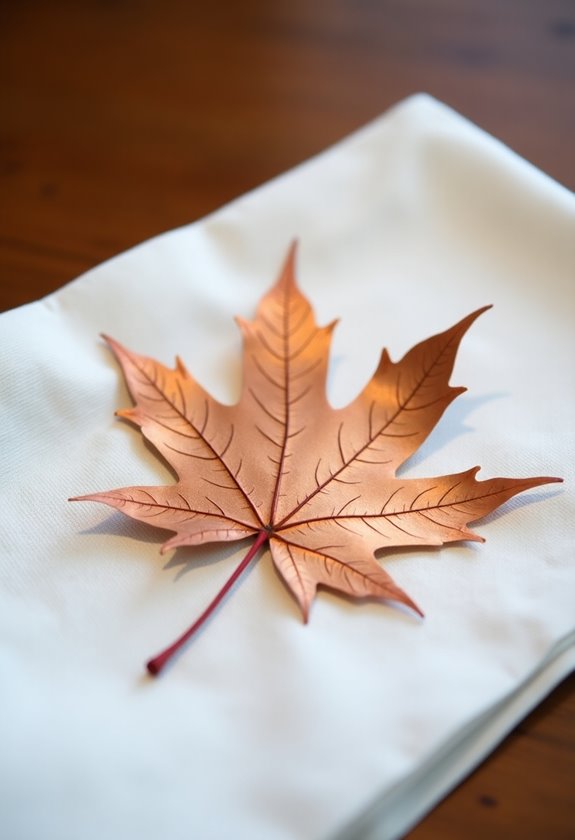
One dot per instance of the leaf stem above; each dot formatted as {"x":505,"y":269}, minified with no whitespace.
{"x":155,"y":665}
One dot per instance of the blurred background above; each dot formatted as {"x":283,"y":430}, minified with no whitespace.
{"x":125,"y":118}
{"x":121,"y":119}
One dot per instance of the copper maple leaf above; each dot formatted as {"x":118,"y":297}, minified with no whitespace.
{"x":317,"y":484}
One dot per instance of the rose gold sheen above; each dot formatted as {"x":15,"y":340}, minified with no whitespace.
{"x":318,"y":484}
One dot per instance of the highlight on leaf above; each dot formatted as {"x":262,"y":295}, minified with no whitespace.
{"x":318,"y":485}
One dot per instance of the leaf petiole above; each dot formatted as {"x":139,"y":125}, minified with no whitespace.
{"x":155,"y":665}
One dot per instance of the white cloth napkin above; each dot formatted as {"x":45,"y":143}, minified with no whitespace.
{"x":265,"y":728}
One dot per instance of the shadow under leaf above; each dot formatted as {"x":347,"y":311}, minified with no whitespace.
{"x":450,"y":426}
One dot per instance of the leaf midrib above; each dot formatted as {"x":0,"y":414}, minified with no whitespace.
{"x":200,"y":434}
{"x":372,"y":439}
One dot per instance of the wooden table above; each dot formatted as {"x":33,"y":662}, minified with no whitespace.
{"x":123,"y":119}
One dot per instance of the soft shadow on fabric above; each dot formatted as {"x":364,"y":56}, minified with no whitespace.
{"x":451,"y":426}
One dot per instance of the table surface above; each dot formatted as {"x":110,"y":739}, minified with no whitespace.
{"x":124,"y":119}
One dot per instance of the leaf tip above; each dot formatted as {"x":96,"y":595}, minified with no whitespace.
{"x":538,"y":480}
{"x":181,"y":368}
{"x":463,"y":325}
{"x":111,"y":342}
{"x":114,"y":345}
{"x":293,"y":249}
{"x":407,"y":602}
{"x":242,"y":324}
{"x":305,"y":603}
{"x":287,"y":273}
{"x":477,"y":312}
{"x":125,"y":413}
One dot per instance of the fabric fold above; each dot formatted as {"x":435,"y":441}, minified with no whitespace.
{"x":356,"y":723}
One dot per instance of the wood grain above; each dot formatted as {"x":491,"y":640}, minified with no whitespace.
{"x":124,"y":119}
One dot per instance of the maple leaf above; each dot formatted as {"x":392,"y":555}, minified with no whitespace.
{"x":317,"y":484}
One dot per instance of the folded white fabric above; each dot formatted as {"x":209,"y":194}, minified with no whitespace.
{"x":266,"y":728}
